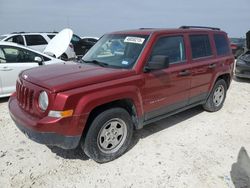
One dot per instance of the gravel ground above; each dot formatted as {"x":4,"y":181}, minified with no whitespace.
{"x":191,"y":149}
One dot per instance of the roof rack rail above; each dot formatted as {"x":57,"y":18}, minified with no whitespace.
{"x":33,"y":32}
{"x":199,"y":27}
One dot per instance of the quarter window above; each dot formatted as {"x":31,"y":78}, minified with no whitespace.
{"x":33,"y":40}
{"x":200,"y":46}
{"x":172,"y":47}
{"x":221,"y":44}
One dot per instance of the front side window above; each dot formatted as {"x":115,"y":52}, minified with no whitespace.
{"x":18,"y":55}
{"x":221,"y":44}
{"x":116,"y":50}
{"x":33,"y":40}
{"x":172,"y":47}
{"x":16,"y":39}
{"x":200,"y":46}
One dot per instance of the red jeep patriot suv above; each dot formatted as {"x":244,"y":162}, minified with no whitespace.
{"x":126,"y":80}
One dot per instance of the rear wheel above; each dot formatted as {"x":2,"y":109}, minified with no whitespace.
{"x":109,"y":135}
{"x":217,"y":97}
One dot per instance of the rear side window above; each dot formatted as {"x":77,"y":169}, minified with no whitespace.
{"x":200,"y":46}
{"x":222,"y":47}
{"x":33,"y":40}
{"x":172,"y":47}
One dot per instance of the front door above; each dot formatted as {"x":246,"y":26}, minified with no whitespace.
{"x":12,"y":61}
{"x":167,"y":90}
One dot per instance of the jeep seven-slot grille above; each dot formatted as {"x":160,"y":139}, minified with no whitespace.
{"x":24,"y":96}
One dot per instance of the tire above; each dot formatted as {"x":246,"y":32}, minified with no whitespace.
{"x":216,"y":97}
{"x":109,"y":135}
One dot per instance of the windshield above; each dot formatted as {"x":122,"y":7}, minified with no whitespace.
{"x":119,"y":51}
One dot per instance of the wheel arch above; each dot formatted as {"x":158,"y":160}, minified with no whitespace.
{"x":226,"y":77}
{"x":126,"y":97}
{"x":125,"y":103}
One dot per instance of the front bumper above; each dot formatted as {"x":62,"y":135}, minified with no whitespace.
{"x":63,"y":133}
{"x":53,"y":139}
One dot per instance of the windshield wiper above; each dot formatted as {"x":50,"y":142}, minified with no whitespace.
{"x":97,"y":63}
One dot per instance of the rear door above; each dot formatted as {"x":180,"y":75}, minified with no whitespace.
{"x":167,"y":90}
{"x":203,"y":63}
{"x":13,"y":60}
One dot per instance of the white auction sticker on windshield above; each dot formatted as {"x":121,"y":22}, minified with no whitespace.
{"x":136,"y":40}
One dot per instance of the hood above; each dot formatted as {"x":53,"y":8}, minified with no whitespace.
{"x":70,"y":75}
{"x":59,"y":44}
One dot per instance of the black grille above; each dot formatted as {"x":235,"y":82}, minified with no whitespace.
{"x":25,"y":96}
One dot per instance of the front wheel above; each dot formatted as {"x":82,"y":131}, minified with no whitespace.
{"x":109,"y":135}
{"x":217,"y":97}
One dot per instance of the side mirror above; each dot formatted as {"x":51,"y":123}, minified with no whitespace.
{"x":38,"y":60}
{"x":157,"y":62}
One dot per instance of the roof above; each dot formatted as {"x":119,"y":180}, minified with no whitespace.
{"x":29,"y":33}
{"x":183,"y":29}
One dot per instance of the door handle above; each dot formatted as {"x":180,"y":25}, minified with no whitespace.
{"x":6,"y":69}
{"x":184,"y":73}
{"x":211,"y":66}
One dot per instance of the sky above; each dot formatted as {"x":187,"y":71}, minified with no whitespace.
{"x":96,"y":17}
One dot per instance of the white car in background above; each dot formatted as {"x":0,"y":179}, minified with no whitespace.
{"x":15,"y":58}
{"x":37,"y":41}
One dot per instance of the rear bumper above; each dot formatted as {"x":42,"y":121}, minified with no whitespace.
{"x":64,"y":133}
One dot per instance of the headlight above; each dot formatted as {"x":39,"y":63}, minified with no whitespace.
{"x":43,"y":101}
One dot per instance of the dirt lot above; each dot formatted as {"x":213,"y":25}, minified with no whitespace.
{"x":191,"y":149}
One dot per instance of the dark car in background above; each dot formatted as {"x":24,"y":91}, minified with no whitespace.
{"x":242,"y":68}
{"x":82,"y":45}
{"x":237,"y":45}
